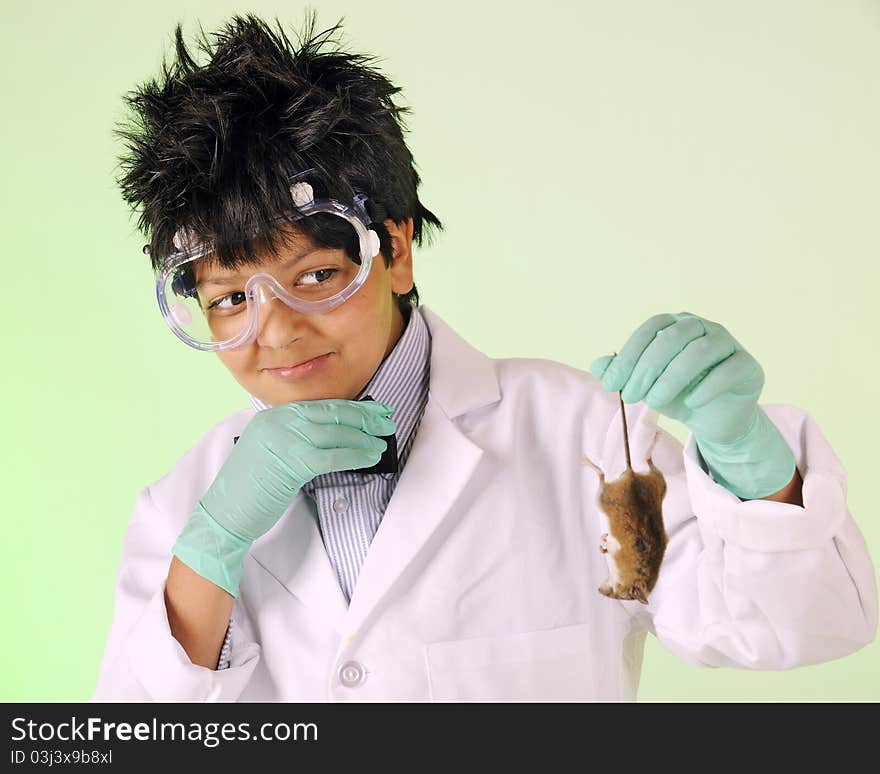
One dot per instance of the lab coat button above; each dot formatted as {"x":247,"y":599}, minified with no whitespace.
{"x":340,"y":505}
{"x":352,"y":674}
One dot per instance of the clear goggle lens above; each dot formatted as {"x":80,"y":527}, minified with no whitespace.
{"x":212,"y":305}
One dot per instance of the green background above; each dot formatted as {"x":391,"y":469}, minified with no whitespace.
{"x":594,"y":163}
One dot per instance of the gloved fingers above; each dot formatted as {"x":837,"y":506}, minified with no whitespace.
{"x":598,"y":366}
{"x":342,"y":437}
{"x":618,"y":370}
{"x":666,"y":347}
{"x":684,"y":367}
{"x":332,"y":460}
{"x":740,"y":374}
{"x":359,"y":414}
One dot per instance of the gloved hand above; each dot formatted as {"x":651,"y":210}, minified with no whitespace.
{"x":693,"y":370}
{"x":280,"y":450}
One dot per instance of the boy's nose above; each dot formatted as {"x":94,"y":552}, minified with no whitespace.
{"x":276,"y":322}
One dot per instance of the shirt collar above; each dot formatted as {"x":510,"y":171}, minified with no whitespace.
{"x":401,"y":381}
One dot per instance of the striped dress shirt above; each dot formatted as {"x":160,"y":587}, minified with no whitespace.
{"x":349,"y":505}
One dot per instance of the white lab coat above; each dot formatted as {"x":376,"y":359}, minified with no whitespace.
{"x":481,"y":581}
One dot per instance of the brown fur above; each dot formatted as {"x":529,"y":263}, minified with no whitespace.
{"x":633,"y":504}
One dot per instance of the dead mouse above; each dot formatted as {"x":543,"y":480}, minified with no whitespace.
{"x":634,"y":507}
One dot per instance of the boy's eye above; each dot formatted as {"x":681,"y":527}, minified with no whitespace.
{"x":311,"y":279}
{"x":233,"y":299}
{"x":320,"y":275}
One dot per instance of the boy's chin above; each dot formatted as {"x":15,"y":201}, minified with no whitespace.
{"x":314,"y":393}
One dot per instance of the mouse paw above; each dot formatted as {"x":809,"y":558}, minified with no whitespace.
{"x":650,"y":454}
{"x":603,"y":545}
{"x":589,"y":463}
{"x":637,"y":591}
{"x":606,"y":589}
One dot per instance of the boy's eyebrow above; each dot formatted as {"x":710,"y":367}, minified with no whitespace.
{"x":219,"y":279}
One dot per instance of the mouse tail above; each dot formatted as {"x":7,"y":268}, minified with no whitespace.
{"x":625,"y":432}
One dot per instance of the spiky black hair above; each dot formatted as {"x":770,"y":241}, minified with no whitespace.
{"x":210,"y":147}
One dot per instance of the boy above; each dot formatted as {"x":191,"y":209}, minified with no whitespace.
{"x":399,"y":516}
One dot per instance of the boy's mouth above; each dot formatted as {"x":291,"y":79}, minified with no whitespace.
{"x":300,"y":369}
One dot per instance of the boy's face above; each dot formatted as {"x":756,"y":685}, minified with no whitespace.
{"x":349,"y":342}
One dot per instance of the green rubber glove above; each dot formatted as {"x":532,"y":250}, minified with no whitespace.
{"x":693,"y":370}
{"x":280,"y":450}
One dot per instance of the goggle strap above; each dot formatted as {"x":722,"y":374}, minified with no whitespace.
{"x":376,"y":211}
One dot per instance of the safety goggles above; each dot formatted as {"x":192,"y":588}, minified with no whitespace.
{"x":212,"y":308}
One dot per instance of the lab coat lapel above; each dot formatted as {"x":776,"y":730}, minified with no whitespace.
{"x":441,"y":461}
{"x":293,"y":553}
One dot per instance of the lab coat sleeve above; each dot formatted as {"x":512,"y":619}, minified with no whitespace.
{"x":758,"y":584}
{"x":142,"y":660}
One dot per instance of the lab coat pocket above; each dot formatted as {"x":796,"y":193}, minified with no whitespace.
{"x":546,"y":665}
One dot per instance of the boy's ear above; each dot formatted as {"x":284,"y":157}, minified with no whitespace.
{"x":401,"y":236}
{"x":401,"y":264}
